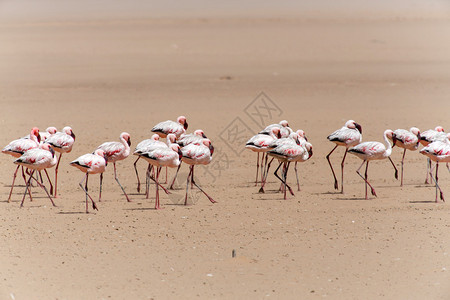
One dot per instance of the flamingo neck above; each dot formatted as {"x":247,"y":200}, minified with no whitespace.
{"x":388,"y":145}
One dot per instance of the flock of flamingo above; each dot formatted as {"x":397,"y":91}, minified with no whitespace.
{"x":280,"y":142}
{"x":36,"y":152}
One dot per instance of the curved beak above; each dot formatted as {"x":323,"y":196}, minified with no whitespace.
{"x":52,"y":151}
{"x":185,"y":125}
{"x":106,"y":159}
{"x":310,"y":152}
{"x":38,"y":136}
{"x":211,"y":149}
{"x":358,"y":127}
{"x":204,"y":136}
{"x":72,"y":135}
{"x":180,"y":154}
{"x":279,"y":135}
{"x":129,"y":141}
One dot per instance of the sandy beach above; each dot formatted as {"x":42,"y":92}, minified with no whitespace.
{"x":229,"y":74}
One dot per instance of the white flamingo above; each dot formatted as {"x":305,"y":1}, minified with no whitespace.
{"x":116,"y":151}
{"x":91,"y":163}
{"x":61,"y":142}
{"x":197,"y":155}
{"x":368,"y":151}
{"x":178,"y":128}
{"x":18,"y":147}
{"x":429,"y":136}
{"x":162,"y":157}
{"x":348,"y":136}
{"x":37,"y":159}
{"x":408,"y":140}
{"x":438,"y":151}
{"x":285,"y":130}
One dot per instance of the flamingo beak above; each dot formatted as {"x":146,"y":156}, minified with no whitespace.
{"x":310,"y":152}
{"x":279,"y":135}
{"x":52,"y":151}
{"x":185,"y":125}
{"x":129,"y":141}
{"x":180,"y":154}
{"x":72,"y":135}
{"x":211,"y":149}
{"x":204,"y":136}
{"x":358,"y":127}
{"x":106,"y":159}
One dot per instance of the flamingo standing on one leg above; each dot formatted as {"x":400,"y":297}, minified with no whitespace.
{"x":116,"y":151}
{"x":37,"y":159}
{"x":348,"y":136}
{"x":260,"y":144}
{"x":61,"y":142}
{"x":438,"y":151}
{"x":162,"y":157}
{"x":91,"y":163}
{"x":368,"y":151}
{"x":287,"y":153}
{"x":429,"y":136}
{"x":408,"y":140}
{"x":197,"y":155}
{"x":18,"y":147}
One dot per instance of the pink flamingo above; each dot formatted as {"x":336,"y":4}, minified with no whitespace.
{"x":197,"y":155}
{"x":368,"y":151}
{"x":61,"y":142}
{"x":438,"y":151}
{"x":287,"y":153}
{"x":18,"y":147}
{"x":162,"y":157}
{"x":348,"y":136}
{"x":185,"y":139}
{"x":408,"y":140}
{"x":91,"y":163}
{"x":116,"y":151}
{"x":178,"y":128}
{"x":48,"y":132}
{"x":37,"y":159}
{"x":140,"y":148}
{"x":260,"y":144}
{"x":429,"y":136}
{"x":285,"y":130}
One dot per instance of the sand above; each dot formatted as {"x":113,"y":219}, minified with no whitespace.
{"x":108,"y":75}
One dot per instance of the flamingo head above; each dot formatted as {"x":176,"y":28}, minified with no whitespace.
{"x":126,"y":137}
{"x":276,"y":132}
{"x":200,"y":133}
{"x":171,"y":138}
{"x":102,"y":153}
{"x":155,"y":137}
{"x":284,"y":123}
{"x":182,"y":121}
{"x":35,"y":132}
{"x":302,"y":134}
{"x":439,"y":129}
{"x":176,"y":148}
{"x":416,"y":132}
{"x":353,"y":125}
{"x":308,"y":147}
{"x":208,"y":144}
{"x":51,"y":130}
{"x":68,"y":130}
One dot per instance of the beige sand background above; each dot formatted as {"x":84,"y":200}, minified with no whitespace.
{"x":105,"y":67}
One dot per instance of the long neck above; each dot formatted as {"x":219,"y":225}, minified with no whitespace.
{"x":388,"y":145}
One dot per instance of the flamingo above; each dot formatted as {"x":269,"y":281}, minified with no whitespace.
{"x":368,"y":151}
{"x":408,"y":140}
{"x":116,"y":151}
{"x":178,"y":128}
{"x":197,"y":155}
{"x":301,"y":136}
{"x":290,"y":152}
{"x":61,"y":142}
{"x":18,"y":147}
{"x":285,"y":130}
{"x":185,"y":139}
{"x":438,"y":151}
{"x":348,"y":136}
{"x":162,"y":157}
{"x":139,"y":149}
{"x":37,"y":159}
{"x":91,"y":163}
{"x":260,"y":143}
{"x":429,"y":136}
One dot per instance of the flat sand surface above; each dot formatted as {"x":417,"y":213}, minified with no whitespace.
{"x":105,"y":76}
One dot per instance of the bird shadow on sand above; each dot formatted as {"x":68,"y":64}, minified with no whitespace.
{"x":73,"y":213}
{"x":423,"y":202}
{"x":352,"y":199}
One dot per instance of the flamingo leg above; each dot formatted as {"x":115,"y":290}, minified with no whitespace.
{"x":147,"y":182}
{"x":26,"y":189}
{"x":437,"y":185}
{"x":257,"y":169}
{"x":342,"y":171}
{"x":276,"y":175}
{"x":175,"y":177}
{"x":12,"y":185}
{"x":158,"y":184}
{"x":85,"y":189}
{"x":41,"y":185}
{"x":49,"y":181}
{"x":192,"y":181}
{"x":187,"y":184}
{"x":396,"y":171}
{"x":137,"y":175}
{"x":117,"y":179}
{"x":263,"y":166}
{"x":261,"y":190}
{"x":403,"y":158}
{"x":428,"y":170}
{"x":101,"y":187}
{"x":332,"y":170}
{"x":167,"y":170}
{"x":56,"y":174}
{"x":157,"y":206}
{"x":365,"y":178}
{"x":296,"y":175}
